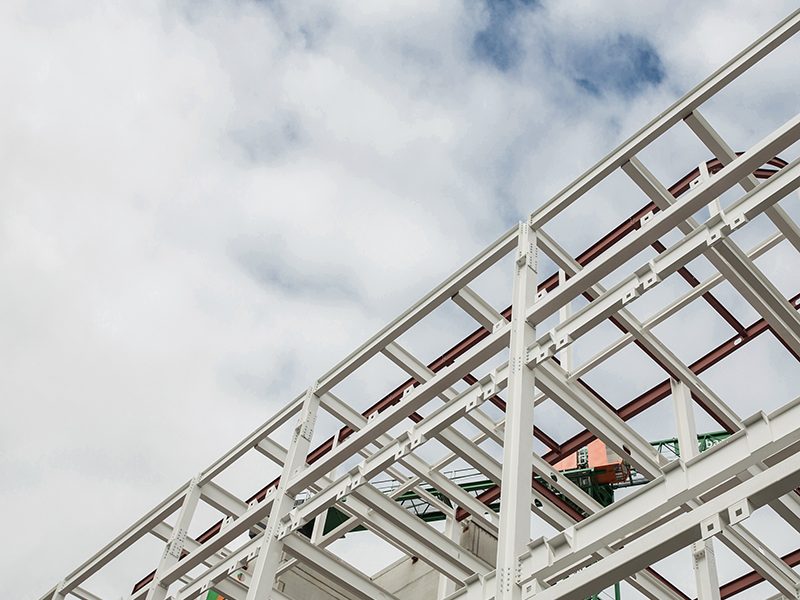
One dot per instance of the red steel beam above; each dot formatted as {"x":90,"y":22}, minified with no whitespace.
{"x":753,"y":578}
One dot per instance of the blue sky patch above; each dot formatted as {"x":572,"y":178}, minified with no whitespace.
{"x":498,"y":42}
{"x":624,"y":65}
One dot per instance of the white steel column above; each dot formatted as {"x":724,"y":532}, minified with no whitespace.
{"x":318,"y":531}
{"x":269,"y":555}
{"x":705,"y":565}
{"x":564,"y":313}
{"x":516,"y":495}
{"x":177,"y":540}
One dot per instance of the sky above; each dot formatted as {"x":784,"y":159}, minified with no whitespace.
{"x":205,"y":205}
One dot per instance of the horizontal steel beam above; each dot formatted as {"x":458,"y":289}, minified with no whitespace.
{"x":763,"y":437}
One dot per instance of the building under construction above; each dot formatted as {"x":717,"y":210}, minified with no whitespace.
{"x":452,"y":467}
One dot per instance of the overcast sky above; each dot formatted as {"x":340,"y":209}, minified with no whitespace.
{"x":205,"y":205}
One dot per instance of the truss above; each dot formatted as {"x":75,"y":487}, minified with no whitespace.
{"x":495,"y":379}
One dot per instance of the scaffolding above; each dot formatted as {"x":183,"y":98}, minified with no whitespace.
{"x":478,"y":400}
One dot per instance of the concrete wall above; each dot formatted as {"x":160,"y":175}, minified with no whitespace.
{"x":480,"y":542}
{"x":409,"y":578}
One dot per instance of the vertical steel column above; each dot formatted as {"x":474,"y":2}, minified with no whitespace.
{"x":271,"y":549}
{"x":176,"y":541}
{"x":516,"y":495}
{"x":705,"y":565}
{"x":318,"y":531}
{"x":564,"y":313}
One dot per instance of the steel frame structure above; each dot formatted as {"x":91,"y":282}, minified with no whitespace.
{"x":692,"y":502}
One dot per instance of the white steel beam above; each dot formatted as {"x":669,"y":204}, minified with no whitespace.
{"x":221,"y":499}
{"x":761,"y":294}
{"x":437,"y":547}
{"x":703,"y":557}
{"x":516,"y":496}
{"x":763,"y":437}
{"x":787,"y":507}
{"x":477,"y":308}
{"x":446,"y":585}
{"x":176,"y":542}
{"x":565,"y":356}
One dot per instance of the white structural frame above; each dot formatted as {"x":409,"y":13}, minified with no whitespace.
{"x":686,"y":502}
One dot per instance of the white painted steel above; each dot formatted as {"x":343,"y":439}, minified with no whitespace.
{"x":515,"y":502}
{"x":703,"y":557}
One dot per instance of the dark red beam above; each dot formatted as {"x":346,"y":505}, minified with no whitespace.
{"x":753,"y":578}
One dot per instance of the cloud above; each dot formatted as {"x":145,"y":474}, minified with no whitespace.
{"x":205,"y":205}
